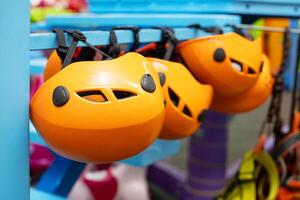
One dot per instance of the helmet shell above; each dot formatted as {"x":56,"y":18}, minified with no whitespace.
{"x":53,"y":65}
{"x":250,"y":99}
{"x":229,"y":62}
{"x":187,"y":100}
{"x":104,"y":111}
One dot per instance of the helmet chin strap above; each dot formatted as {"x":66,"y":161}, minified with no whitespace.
{"x":67,"y":53}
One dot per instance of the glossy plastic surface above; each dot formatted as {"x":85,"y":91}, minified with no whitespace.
{"x":79,"y":130}
{"x":186,"y":99}
{"x":251,"y":99}
{"x":229,"y":62}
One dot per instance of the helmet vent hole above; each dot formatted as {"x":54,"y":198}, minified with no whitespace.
{"x":93,"y":95}
{"x":261,"y":66}
{"x":251,"y":71}
{"x":173,"y":97}
{"x":187,"y":111}
{"x":236,"y":65}
{"x":123,"y":94}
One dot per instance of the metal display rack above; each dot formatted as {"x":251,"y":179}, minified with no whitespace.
{"x":17,"y":41}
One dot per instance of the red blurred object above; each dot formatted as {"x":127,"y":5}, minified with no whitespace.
{"x":101,"y":183}
{"x":74,"y":5}
{"x":288,"y":194}
{"x":77,"y":5}
{"x":40,"y":158}
{"x":43,"y":3}
{"x":35,"y":83}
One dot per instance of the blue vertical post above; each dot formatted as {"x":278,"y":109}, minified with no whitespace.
{"x":292,"y":58}
{"x":14,"y":99}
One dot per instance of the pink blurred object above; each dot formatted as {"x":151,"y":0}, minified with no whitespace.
{"x":107,"y":182}
{"x":74,"y":5}
{"x":35,"y":82}
{"x":42,"y":3}
{"x":40,"y":158}
{"x":101,"y":183}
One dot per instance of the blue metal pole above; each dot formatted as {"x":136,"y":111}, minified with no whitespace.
{"x":292,"y":58}
{"x":14,"y":100}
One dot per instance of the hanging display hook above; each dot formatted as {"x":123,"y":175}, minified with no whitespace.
{"x":113,"y":49}
{"x":240,"y":31}
{"x":136,"y":37}
{"x":66,"y":52}
{"x":208,"y":29}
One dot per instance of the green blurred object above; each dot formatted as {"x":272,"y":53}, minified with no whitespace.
{"x":256,"y":34}
{"x":40,"y":14}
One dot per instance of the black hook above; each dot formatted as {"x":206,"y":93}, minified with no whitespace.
{"x":195,"y":26}
{"x":62,"y":48}
{"x":76,"y":37}
{"x":208,"y":29}
{"x":239,"y":31}
{"x":167,"y":36}
{"x":236,"y":29}
{"x":171,"y":50}
{"x":66,"y":53}
{"x":136,"y":37}
{"x":113,"y":49}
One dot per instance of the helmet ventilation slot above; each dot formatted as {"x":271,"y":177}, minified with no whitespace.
{"x":261,"y":66}
{"x":123,"y":94}
{"x":173,"y":97}
{"x":187,"y":111}
{"x":236,"y":65}
{"x":251,"y":71}
{"x":93,"y":95}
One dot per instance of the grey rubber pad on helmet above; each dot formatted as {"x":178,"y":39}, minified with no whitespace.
{"x":148,"y":83}
{"x":60,"y":96}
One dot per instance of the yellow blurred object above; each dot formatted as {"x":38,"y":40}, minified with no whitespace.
{"x":243,"y":185}
{"x":273,"y":42}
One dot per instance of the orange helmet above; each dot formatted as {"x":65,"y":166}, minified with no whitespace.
{"x":229,"y":63}
{"x":252,"y":98}
{"x":187,"y":100}
{"x":100,"y":111}
{"x":53,"y":65}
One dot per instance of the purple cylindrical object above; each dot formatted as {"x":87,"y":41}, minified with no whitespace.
{"x":207,"y":159}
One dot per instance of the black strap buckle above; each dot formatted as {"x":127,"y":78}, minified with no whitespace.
{"x":77,"y":35}
{"x":62,"y":47}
